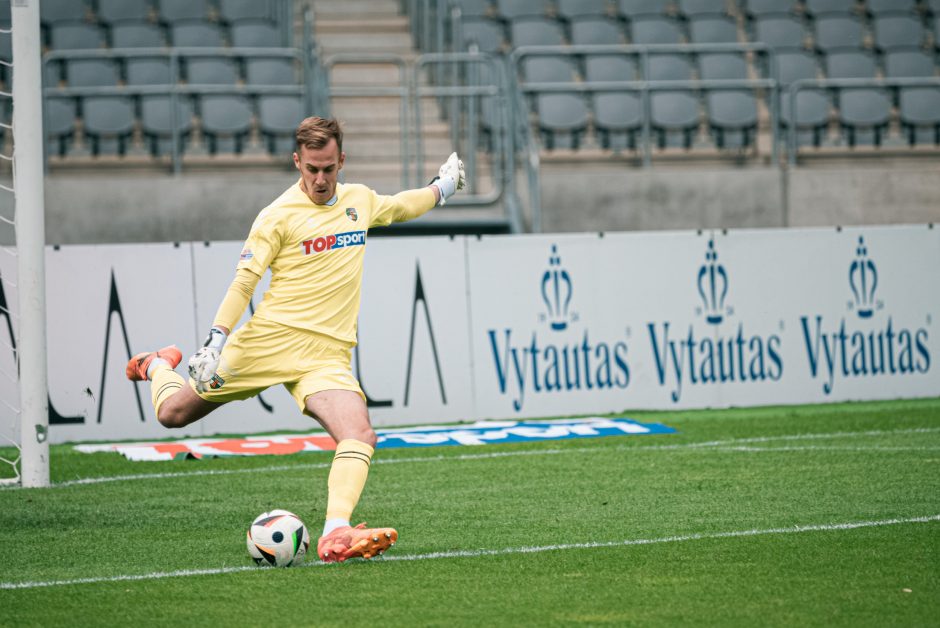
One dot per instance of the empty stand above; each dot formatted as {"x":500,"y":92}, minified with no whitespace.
{"x":851,"y":64}
{"x":212,"y":71}
{"x":226,"y":121}
{"x":536,"y":31}
{"x":864,"y":115}
{"x":839,"y":31}
{"x":562,"y":119}
{"x":618,"y":118}
{"x":277,"y":119}
{"x":809,"y":118}
{"x":172,"y":11}
{"x":157,"y":124}
{"x":655,"y":30}
{"x":512,"y":9}
{"x":108,"y":123}
{"x":919,"y":113}
{"x":486,"y":34}
{"x":639,"y":8}
{"x":269,"y":71}
{"x":596,"y":30}
{"x":732,"y":117}
{"x":237,"y":10}
{"x":722,"y":65}
{"x":675,"y":117}
{"x":148,"y":71}
{"x":92,"y":73}
{"x":669,"y":67}
{"x":58,"y":124}
{"x":115,"y":11}
{"x":699,"y":8}
{"x":53,"y":12}
{"x":781,"y":32}
{"x":570,"y":9}
{"x":818,"y":8}
{"x":882,"y":7}
{"x":256,"y":34}
{"x":712,"y":29}
{"x":475,"y":8}
{"x":759,"y":8}
{"x":900,"y":63}
{"x":137,"y":35}
{"x":197,"y":34}
{"x":892,"y":32}
{"x":610,"y":68}
{"x":75,"y":36}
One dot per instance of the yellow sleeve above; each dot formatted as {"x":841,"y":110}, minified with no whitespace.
{"x":403,"y":206}
{"x":236,"y":299}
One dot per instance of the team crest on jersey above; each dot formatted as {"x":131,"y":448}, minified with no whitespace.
{"x":351,"y":214}
{"x":246,"y":254}
{"x":216,"y":382}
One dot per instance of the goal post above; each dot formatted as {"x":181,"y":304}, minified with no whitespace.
{"x":30,"y":242}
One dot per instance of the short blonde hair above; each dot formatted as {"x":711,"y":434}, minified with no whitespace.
{"x":315,"y":132}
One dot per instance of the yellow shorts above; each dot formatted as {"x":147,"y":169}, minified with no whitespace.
{"x":262,"y":353}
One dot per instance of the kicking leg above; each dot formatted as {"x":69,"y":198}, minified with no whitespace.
{"x":174,"y":402}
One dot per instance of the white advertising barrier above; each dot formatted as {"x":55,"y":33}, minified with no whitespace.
{"x":575,"y":323}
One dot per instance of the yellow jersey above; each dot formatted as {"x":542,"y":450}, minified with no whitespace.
{"x":316,"y":253}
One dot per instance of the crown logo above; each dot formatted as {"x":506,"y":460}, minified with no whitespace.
{"x":863,"y":279}
{"x":713,"y":285}
{"x":556,"y":291}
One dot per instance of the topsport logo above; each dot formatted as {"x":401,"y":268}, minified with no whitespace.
{"x":332,"y":242}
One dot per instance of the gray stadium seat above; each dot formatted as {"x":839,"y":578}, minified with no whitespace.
{"x":933,"y":7}
{"x":919,"y":113}
{"x":180,"y":10}
{"x":864,"y":115}
{"x":780,"y":32}
{"x":51,"y":73}
{"x":91,"y":73}
{"x":635,"y":8}
{"x":512,"y":9}
{"x":547,"y":69}
{"x":811,"y":116}
{"x":697,"y":8}
{"x":270,"y":71}
{"x":225,"y":122}
{"x":58,"y":124}
{"x":536,"y":31}
{"x":722,"y":65}
{"x":570,"y":9}
{"x":137,"y":35}
{"x":839,"y":31}
{"x":596,"y":30}
{"x":713,"y":29}
{"x":254,"y":34}
{"x":610,"y":68}
{"x":196,"y":34}
{"x":108,"y":122}
{"x":278,"y":117}
{"x":55,"y":11}
{"x":618,"y":117}
{"x":758,"y":8}
{"x":795,"y":65}
{"x":475,"y":8}
{"x":157,"y":126}
{"x":850,"y":64}
{"x":75,"y":36}
{"x":899,"y":63}
{"x":655,"y":30}
{"x":562,"y":120}
{"x":148,"y":71}
{"x":211,"y":71}
{"x":235,"y":10}
{"x":111,"y":11}
{"x":674,"y":116}
{"x":488,"y":35}
{"x":897,"y":31}
{"x":881,"y":7}
{"x":817,"y":8}
{"x":669,"y":67}
{"x":732,"y":117}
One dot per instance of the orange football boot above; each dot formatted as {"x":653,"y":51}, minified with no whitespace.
{"x":360,"y":542}
{"x":137,"y":367}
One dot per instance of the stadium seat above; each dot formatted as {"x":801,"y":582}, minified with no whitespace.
{"x":536,"y":31}
{"x":256,"y":34}
{"x":156,"y":124}
{"x":838,"y":31}
{"x":780,"y":32}
{"x":134,"y":35}
{"x":933,"y":7}
{"x":91,"y":73}
{"x":547,"y":69}
{"x":713,"y":29}
{"x":700,"y":8}
{"x":732,"y":118}
{"x":674,"y":116}
{"x":277,"y":119}
{"x":669,"y":67}
{"x":562,"y":119}
{"x":596,"y":30}
{"x":225,"y":122}
{"x":919,"y":113}
{"x":75,"y":36}
{"x":850,"y":64}
{"x":864,"y":115}
{"x":270,"y":71}
{"x":897,"y":31}
{"x":196,"y":34}
{"x":108,"y":122}
{"x":763,"y":8}
{"x":722,"y":65}
{"x":811,"y":116}
{"x":609,"y":68}
{"x":512,"y":9}
{"x":818,"y":8}
{"x":55,"y":11}
{"x":900,"y":63}
{"x":571,"y":9}
{"x":795,"y":65}
{"x":881,"y":7}
{"x":58,"y":124}
{"x":211,"y":71}
{"x":488,"y":35}
{"x":112,"y":11}
{"x":655,"y":30}
{"x":475,"y":8}
{"x":51,"y":73}
{"x":618,"y":117}
{"x":236,"y":10}
{"x":148,"y":71}
{"x":637,"y":8}
{"x":172,"y":11}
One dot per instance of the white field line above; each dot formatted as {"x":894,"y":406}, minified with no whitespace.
{"x":536,"y":549}
{"x":823,"y":448}
{"x":733,"y":442}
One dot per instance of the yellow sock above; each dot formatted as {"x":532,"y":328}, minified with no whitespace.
{"x":347,"y":477}
{"x":164,"y":382}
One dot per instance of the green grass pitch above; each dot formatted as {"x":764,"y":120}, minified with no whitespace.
{"x":784,"y":516}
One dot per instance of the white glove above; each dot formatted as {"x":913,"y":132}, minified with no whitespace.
{"x":450,"y":178}
{"x":205,"y":362}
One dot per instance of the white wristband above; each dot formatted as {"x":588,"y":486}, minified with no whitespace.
{"x":216,"y":339}
{"x":447,"y":186}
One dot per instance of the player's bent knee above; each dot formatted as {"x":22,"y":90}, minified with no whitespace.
{"x":368,"y":437}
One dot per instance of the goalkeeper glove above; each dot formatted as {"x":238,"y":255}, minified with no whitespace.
{"x":205,"y":362}
{"x":450,"y":178}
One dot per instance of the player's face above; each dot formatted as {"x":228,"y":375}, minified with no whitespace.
{"x":319,"y":168}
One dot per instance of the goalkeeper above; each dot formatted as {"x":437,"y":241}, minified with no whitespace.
{"x":313,"y":239}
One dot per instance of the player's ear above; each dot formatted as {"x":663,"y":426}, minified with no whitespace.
{"x":342,"y":158}
{"x":296,"y":160}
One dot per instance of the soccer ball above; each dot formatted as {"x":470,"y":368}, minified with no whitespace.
{"x":278,"y":538}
